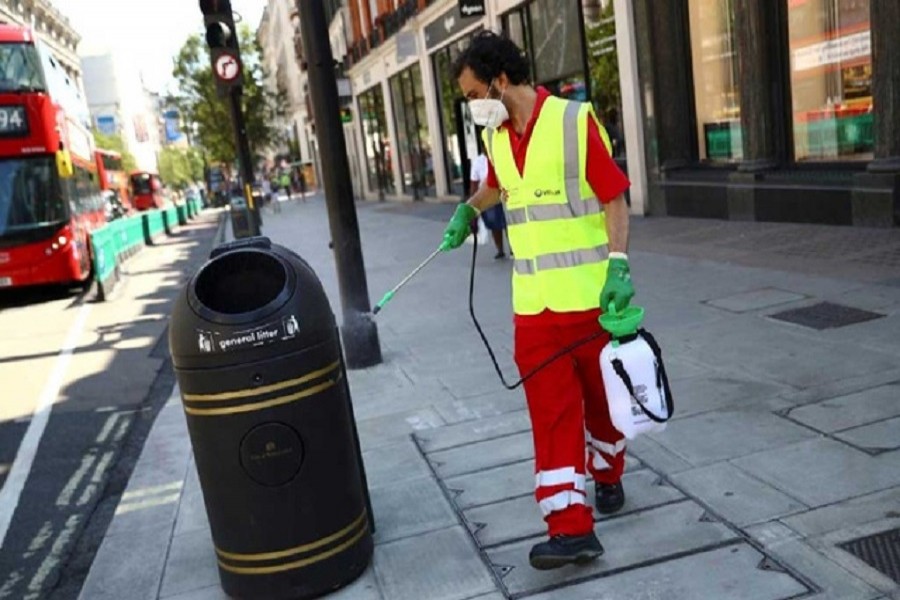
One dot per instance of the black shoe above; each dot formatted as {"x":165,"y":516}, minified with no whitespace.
{"x":609,"y":497}
{"x":562,"y":550}
{"x":499,"y":255}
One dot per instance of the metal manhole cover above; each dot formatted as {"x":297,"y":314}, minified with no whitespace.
{"x":880,"y":551}
{"x":826,"y":315}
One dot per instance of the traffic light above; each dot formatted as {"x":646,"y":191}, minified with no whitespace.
{"x":222,"y":39}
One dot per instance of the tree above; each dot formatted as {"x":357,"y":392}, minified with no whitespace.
{"x":604,"y":62}
{"x":180,"y":167}
{"x":199,"y":103}
{"x":116,"y":144}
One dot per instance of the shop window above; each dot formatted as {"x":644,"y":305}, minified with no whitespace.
{"x":831,"y":79}
{"x":716,"y":91}
{"x":413,"y":140}
{"x":376,"y":142}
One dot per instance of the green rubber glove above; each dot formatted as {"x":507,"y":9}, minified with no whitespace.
{"x":458,"y":229}
{"x":618,"y":286}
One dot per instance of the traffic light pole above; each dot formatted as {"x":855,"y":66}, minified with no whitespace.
{"x":242,"y":143}
{"x":359,"y":332}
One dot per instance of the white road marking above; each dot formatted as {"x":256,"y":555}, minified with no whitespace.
{"x":11,"y":581}
{"x":123,"y":427}
{"x":107,"y":428}
{"x":96,"y":478}
{"x":52,"y":559}
{"x":65,"y":496}
{"x":39,"y":540}
{"x":18,"y":475}
{"x":135,"y":494}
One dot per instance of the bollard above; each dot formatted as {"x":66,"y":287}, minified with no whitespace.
{"x":259,"y":364}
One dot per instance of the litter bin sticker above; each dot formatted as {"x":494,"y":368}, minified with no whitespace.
{"x":275,"y":331}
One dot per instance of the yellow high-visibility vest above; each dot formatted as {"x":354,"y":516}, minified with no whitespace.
{"x":556,"y":225}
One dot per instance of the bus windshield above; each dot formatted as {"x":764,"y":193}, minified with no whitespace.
{"x":20,"y":68}
{"x":29,"y":196}
{"x":142,"y":183}
{"x":111,"y":162}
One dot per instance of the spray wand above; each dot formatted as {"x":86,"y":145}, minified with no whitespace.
{"x":387,"y":297}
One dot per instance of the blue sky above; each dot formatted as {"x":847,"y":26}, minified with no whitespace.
{"x":145,"y":33}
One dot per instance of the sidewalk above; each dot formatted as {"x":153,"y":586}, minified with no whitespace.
{"x":785,"y":444}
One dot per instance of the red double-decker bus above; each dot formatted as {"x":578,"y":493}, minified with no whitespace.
{"x":111,"y":174}
{"x":49,"y":197}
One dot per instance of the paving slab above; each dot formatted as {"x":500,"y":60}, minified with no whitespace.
{"x":502,"y":483}
{"x":395,"y":463}
{"x":478,"y":430}
{"x":849,"y":513}
{"x":387,"y":429}
{"x":409,"y":508}
{"x":124,"y":569}
{"x":191,"y":510}
{"x":448,"y":567}
{"x":852,"y":410}
{"x":482,"y":455}
{"x":640,"y":539}
{"x":191,"y":564}
{"x":521,"y":517}
{"x":481,"y":407}
{"x":734,"y":390}
{"x":877,"y":437}
{"x":806,"y":471}
{"x":735,"y":496}
{"x":721,"y":435}
{"x":732,"y":572}
{"x":656,"y":456}
{"x":755,"y":300}
{"x":831,"y":580}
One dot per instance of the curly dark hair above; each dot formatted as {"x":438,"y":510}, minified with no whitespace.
{"x":490,"y":54}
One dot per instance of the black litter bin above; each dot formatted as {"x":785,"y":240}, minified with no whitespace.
{"x":242,"y":218}
{"x":258,"y":359}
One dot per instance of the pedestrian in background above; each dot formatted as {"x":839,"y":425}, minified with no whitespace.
{"x":493,"y":218}
{"x":568,"y":227}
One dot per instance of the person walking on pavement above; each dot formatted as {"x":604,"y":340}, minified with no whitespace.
{"x":493,"y":217}
{"x":567,"y":223}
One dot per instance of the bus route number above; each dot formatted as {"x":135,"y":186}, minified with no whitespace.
{"x":12,"y":120}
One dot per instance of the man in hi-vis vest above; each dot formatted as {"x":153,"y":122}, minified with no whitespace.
{"x":568,"y":229}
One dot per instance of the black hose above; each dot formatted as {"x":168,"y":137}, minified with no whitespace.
{"x":487,"y":345}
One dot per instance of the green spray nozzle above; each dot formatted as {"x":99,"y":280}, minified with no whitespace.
{"x":622,"y":323}
{"x":384,"y":300}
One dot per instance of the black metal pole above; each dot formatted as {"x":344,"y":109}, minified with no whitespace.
{"x":358,"y":330}
{"x":244,"y":160}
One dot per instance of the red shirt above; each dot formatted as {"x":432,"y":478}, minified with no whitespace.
{"x":604,"y":176}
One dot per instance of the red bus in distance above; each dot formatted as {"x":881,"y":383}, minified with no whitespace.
{"x":49,"y":197}
{"x":146,"y":191}
{"x":111,"y":174}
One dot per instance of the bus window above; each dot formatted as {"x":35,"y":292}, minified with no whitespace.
{"x":28,"y":195}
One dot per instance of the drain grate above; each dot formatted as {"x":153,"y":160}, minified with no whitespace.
{"x":826,"y":315}
{"x":880,"y":551}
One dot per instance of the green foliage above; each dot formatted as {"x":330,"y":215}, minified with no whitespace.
{"x":199,"y":104}
{"x":116,"y":144}
{"x":603,"y":61}
{"x":179,"y":167}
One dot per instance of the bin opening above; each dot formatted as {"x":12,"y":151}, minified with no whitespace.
{"x":240,"y":282}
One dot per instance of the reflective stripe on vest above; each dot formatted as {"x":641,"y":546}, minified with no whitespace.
{"x":556,"y":226}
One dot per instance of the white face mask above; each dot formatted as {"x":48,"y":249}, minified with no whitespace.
{"x":489,"y":112}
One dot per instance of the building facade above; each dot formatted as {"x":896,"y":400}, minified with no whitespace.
{"x":730,"y":109}
{"x":121,"y":105}
{"x":781,"y":111}
{"x":282,"y":53}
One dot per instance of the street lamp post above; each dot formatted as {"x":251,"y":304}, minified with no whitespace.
{"x":358,"y":330}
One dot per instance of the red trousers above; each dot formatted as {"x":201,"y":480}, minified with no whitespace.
{"x":570,"y":422}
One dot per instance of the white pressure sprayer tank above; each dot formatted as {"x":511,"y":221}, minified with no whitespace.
{"x":637,"y":388}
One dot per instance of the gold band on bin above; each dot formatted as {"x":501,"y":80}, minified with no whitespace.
{"x":247,"y":393}
{"x":360,"y":523}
